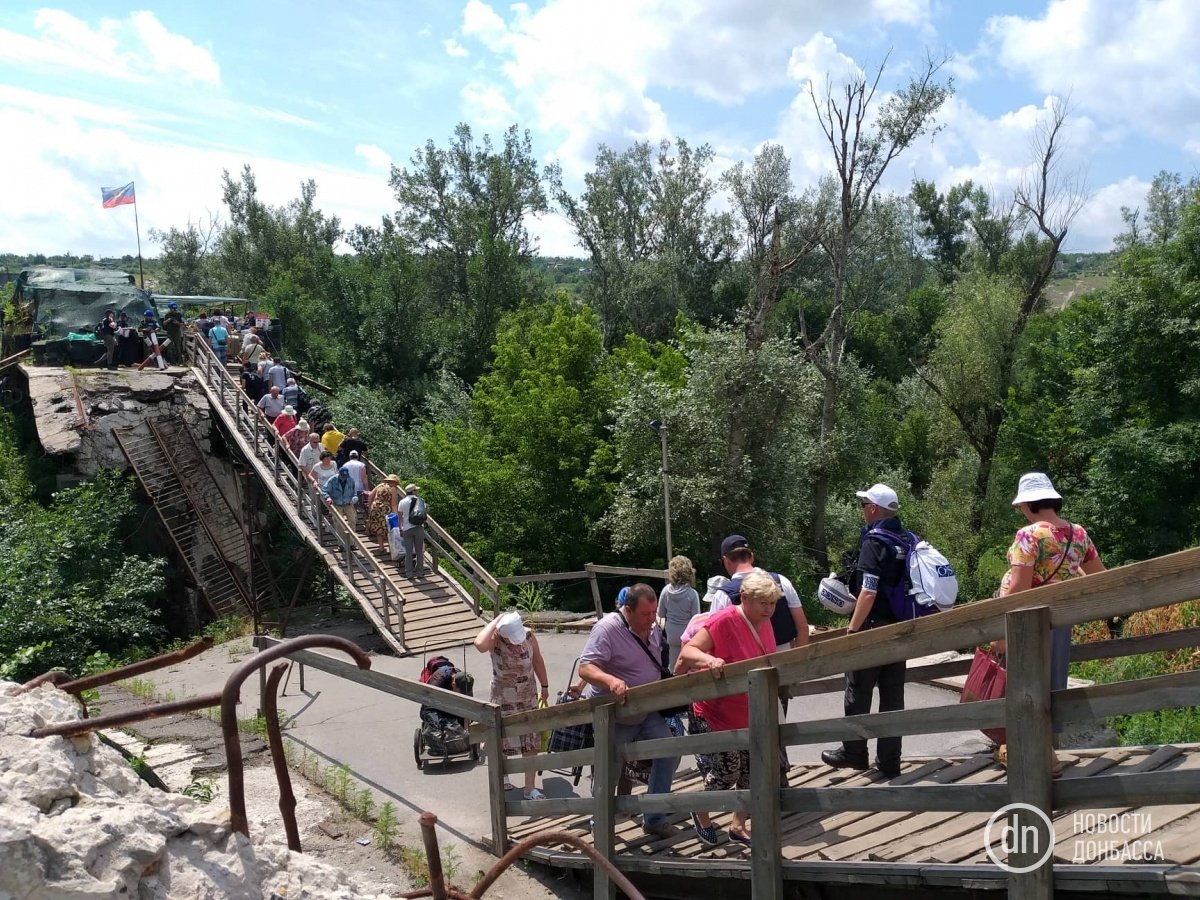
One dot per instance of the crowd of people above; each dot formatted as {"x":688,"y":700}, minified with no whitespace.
{"x":747,"y":613}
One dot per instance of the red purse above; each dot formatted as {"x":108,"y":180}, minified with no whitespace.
{"x":986,"y":681}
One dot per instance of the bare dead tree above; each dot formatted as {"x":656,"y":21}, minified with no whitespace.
{"x":865,"y":139}
{"x":1044,"y":204}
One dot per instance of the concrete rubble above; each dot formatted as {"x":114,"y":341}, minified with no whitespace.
{"x":110,"y":400}
{"x":76,"y":821}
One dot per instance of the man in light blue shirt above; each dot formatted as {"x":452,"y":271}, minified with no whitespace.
{"x":277,"y":375}
{"x":342,"y":494}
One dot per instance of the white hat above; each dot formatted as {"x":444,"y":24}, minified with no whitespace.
{"x":835,"y":596}
{"x":511,"y":628}
{"x":354,"y":454}
{"x":881,"y":495}
{"x":289,"y":411}
{"x":1035,"y":486}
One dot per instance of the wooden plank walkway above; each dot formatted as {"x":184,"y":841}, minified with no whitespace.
{"x":438,"y":613}
{"x":929,"y":848}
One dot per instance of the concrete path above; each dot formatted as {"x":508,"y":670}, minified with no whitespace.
{"x":372,"y":732}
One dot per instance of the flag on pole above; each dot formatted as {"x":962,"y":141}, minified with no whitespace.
{"x":114,"y":197}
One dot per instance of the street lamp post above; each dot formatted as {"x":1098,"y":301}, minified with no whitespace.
{"x":661,"y":428}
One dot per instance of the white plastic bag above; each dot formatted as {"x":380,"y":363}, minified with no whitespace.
{"x":395,"y":544}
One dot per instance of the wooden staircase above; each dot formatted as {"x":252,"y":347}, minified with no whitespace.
{"x":434,"y":612}
{"x":208,"y":545}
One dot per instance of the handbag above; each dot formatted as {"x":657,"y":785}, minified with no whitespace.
{"x":663,"y":674}
{"x":579,"y":736}
{"x":986,"y":681}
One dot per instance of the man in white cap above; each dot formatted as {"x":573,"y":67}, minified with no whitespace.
{"x":878,"y":562}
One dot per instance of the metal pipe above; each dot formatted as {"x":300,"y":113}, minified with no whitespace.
{"x":287,"y":797}
{"x":137,"y":668}
{"x":433,"y":855}
{"x":54,"y":676}
{"x":81,"y":726}
{"x":556,"y":837}
{"x":229,"y":702}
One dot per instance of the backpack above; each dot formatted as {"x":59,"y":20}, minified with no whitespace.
{"x":928,"y":585}
{"x":432,"y":666}
{"x":417,"y":514}
{"x":782,"y":623}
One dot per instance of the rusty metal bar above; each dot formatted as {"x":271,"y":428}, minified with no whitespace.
{"x":84,"y":422}
{"x":229,"y":702}
{"x":54,"y":676}
{"x":287,"y":797}
{"x":556,"y":837}
{"x":80,"y":726}
{"x":137,"y":668}
{"x":433,"y":856}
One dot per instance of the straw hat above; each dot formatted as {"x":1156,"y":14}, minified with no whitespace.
{"x":392,"y":479}
{"x":411,"y":489}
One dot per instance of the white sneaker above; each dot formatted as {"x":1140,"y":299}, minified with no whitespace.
{"x":535,"y":794}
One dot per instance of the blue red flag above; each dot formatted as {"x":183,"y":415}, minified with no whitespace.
{"x":113,"y":197}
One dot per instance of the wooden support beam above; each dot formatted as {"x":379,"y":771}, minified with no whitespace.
{"x":766,"y":862}
{"x":604,"y":789}
{"x":1030,"y":751}
{"x":495,"y":758}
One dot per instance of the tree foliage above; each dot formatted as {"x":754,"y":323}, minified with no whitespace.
{"x":524,"y":477}
{"x":68,"y":587}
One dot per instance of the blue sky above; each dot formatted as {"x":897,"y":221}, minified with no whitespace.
{"x":99,"y":94}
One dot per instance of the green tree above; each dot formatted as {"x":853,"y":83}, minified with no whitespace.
{"x":464,"y":209}
{"x":186,"y":258}
{"x":68,"y":588}
{"x":523,"y":478}
{"x":655,"y":247}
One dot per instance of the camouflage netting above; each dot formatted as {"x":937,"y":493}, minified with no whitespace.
{"x":56,"y":302}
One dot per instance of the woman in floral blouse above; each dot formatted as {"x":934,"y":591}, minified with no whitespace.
{"x":1047,"y":550}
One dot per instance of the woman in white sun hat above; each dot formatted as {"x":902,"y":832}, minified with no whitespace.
{"x":516,"y":662}
{"x":1047,"y":550}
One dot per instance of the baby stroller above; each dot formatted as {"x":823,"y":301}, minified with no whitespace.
{"x":441,"y":735}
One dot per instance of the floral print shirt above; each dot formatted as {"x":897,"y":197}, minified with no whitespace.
{"x":1040,"y":546}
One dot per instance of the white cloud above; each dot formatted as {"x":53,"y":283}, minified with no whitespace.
{"x":819,"y":59}
{"x":485,"y":104}
{"x":1133,"y":63}
{"x":135,"y":50}
{"x":173,"y":53}
{"x":588,"y":73}
{"x":375,"y":157}
{"x":1100,"y":220}
{"x":69,"y":150}
{"x":454,"y":48}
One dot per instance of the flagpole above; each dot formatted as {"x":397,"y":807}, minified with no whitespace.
{"x":138,"y":230}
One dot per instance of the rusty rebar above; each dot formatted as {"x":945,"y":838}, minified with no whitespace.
{"x":80,"y":726}
{"x":229,"y":701}
{"x":137,"y":668}
{"x":433,"y":856}
{"x":287,"y":797}
{"x":555,"y":837}
{"x":54,"y":676}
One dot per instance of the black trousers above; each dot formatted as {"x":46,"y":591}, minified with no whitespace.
{"x":860,"y":686}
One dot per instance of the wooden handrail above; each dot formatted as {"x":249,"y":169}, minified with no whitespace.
{"x":451,"y":702}
{"x":242,"y":407}
{"x":1138,"y":586}
{"x":481,"y":574}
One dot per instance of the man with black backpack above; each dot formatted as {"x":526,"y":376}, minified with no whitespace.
{"x":413,"y":516}
{"x":881,"y":566}
{"x":788,"y":622}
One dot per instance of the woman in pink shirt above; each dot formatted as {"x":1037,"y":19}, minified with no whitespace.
{"x":731,"y":635}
